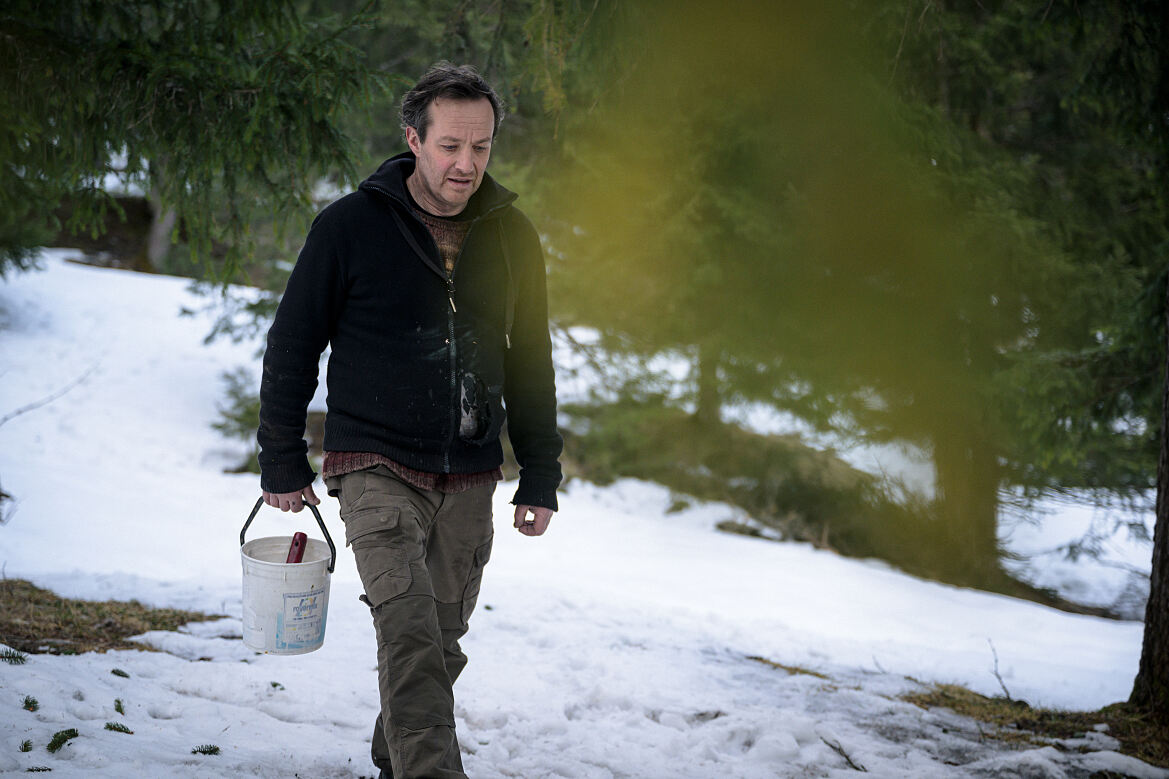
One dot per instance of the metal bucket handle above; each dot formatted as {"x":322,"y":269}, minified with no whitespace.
{"x":320,"y":522}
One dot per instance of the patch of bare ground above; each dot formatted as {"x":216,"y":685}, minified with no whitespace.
{"x":1140,"y":734}
{"x":38,"y":621}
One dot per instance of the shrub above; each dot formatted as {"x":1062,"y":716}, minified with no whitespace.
{"x":13,"y":657}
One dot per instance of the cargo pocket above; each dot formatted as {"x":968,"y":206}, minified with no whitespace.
{"x":471,"y":591}
{"x":379,"y":547}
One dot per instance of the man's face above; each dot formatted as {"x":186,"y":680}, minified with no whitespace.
{"x":452,"y":159}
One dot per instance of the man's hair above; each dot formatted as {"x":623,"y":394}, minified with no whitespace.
{"x":456,"y":82}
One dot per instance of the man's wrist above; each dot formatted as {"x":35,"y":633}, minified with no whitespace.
{"x":280,"y":479}
{"x":527,"y":495}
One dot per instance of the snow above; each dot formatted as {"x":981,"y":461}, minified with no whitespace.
{"x":907,"y":469}
{"x":1115,"y":575}
{"x":627,"y":642}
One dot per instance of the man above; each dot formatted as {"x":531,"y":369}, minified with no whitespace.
{"x":429,"y":286}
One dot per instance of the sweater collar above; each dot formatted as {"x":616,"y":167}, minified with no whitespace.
{"x":390,"y":179}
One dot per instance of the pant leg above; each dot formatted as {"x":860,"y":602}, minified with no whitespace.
{"x":457,"y":552}
{"x":388,"y":523}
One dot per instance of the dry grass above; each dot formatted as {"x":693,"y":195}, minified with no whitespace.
{"x":37,"y":621}
{"x":791,"y":669}
{"x":1140,"y":735}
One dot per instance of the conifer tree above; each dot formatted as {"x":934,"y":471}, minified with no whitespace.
{"x":220,"y":110}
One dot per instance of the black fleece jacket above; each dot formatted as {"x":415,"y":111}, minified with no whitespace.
{"x":413,"y":352}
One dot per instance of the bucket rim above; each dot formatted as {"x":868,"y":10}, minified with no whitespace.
{"x":313,"y":545}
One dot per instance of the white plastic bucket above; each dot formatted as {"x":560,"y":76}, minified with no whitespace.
{"x":285,"y":605}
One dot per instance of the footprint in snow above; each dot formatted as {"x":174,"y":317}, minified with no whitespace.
{"x":164,"y":711}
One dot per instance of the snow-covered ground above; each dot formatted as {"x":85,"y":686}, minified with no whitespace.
{"x":625,"y":643}
{"x":1047,"y":540}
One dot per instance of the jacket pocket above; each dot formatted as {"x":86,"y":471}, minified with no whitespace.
{"x":379,"y":548}
{"x":481,"y":410}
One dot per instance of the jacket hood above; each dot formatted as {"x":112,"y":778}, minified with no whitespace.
{"x":390,"y":179}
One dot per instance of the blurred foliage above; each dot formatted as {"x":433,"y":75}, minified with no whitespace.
{"x":916,"y":221}
{"x":221,"y":111}
{"x":1065,"y":97}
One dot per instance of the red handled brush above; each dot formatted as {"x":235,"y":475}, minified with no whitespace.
{"x":296,"y":548}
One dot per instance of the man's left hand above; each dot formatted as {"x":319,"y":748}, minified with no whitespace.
{"x":534,"y":525}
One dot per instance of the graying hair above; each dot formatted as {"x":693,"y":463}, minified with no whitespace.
{"x":457,"y":82}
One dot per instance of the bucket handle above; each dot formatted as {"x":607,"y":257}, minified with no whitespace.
{"x":320,"y":522}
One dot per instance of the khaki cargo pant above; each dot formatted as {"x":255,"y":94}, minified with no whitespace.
{"x":420,"y":555}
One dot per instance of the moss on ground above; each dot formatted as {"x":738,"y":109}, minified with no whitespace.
{"x":38,"y":621}
{"x":1140,"y":734}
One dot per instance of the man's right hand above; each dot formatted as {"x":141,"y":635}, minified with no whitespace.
{"x":291,"y":501}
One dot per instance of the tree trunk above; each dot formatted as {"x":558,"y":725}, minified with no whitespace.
{"x":709,"y":402}
{"x":158,"y":240}
{"x":162,"y":223}
{"x":1150,"y":690}
{"x":967,"y":491}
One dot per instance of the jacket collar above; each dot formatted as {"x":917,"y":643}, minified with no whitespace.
{"x":390,"y":180}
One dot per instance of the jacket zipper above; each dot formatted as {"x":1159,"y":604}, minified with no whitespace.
{"x":450,"y":291}
{"x":449,"y":278}
{"x":454,"y":404}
